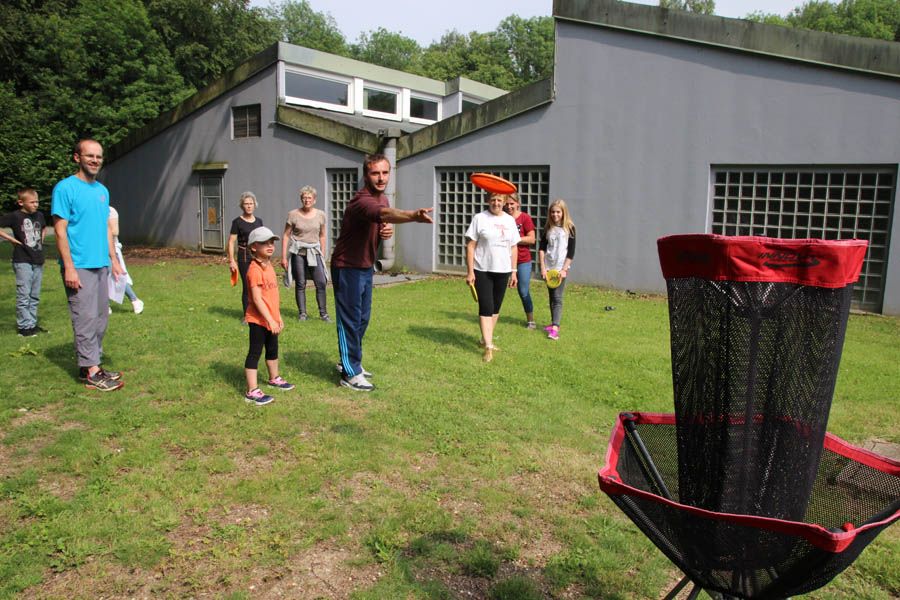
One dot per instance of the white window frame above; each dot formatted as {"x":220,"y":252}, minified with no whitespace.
{"x":361,"y":91}
{"x":282,"y":87}
{"x":408,"y":95}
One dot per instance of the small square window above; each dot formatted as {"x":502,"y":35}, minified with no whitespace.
{"x":420,"y":108}
{"x":380,"y":101}
{"x":246,"y":121}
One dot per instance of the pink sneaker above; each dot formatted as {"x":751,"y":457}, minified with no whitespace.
{"x":257,"y":397}
{"x":547,"y":329}
{"x":553,"y":334}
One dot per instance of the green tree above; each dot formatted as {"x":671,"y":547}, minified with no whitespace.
{"x":530,"y":43}
{"x":704,"y":7}
{"x":878,"y":19}
{"x":32,"y":150}
{"x":206,"y":38}
{"x":483,"y":57}
{"x":297,"y":23}
{"x":101,"y":70}
{"x":388,"y":49}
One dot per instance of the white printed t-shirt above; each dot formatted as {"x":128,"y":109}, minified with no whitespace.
{"x":494,"y":235}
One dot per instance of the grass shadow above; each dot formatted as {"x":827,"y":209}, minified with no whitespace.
{"x":230,"y":373}
{"x":444,"y":336}
{"x":317,"y":364}
{"x":462,"y":316}
{"x":63,"y":356}
{"x":232,"y":313}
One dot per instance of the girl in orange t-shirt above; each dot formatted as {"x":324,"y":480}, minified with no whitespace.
{"x":263,"y":316}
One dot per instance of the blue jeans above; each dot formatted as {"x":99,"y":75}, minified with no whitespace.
{"x":352,"y":309}
{"x":523,"y":272}
{"x":28,"y":293}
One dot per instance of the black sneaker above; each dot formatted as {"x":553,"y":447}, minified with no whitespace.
{"x":39,"y":329}
{"x":98,"y":381}
{"x":114,"y":375}
{"x":30,"y":332}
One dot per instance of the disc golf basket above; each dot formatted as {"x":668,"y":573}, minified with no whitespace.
{"x":742,"y":487}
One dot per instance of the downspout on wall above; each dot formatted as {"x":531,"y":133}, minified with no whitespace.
{"x":386,"y":248}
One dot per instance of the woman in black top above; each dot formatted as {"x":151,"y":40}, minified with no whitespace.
{"x":240,"y":231}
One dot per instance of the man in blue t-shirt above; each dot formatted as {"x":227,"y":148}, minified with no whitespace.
{"x":80,"y":210}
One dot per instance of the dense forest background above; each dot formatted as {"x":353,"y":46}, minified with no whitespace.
{"x":100,"y":68}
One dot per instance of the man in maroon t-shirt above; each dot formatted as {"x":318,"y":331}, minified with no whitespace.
{"x":367,"y":219}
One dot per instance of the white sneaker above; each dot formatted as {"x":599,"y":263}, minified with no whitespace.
{"x":357,"y":382}
{"x":340,"y":370}
{"x":138,"y":306}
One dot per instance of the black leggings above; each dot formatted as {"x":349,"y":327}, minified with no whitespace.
{"x":243,"y":262}
{"x":491,"y":288}
{"x":259,"y":337}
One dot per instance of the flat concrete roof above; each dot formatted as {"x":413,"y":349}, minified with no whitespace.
{"x":873,"y":56}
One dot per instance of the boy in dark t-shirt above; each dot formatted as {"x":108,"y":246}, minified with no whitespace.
{"x":28,"y":226}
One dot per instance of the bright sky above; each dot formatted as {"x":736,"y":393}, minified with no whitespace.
{"x":424,"y":23}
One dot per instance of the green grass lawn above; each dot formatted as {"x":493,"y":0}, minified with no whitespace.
{"x":453,"y":479}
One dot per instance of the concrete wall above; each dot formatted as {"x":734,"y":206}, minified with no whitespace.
{"x":157,"y":192}
{"x":637,"y":122}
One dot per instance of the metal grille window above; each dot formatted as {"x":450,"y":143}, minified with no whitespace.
{"x":246,"y":121}
{"x":342,"y":184}
{"x":459,"y":201}
{"x":825,"y":203}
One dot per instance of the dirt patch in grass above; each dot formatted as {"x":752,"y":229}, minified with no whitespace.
{"x":62,"y":486}
{"x":149,"y":255}
{"x":97,"y":580}
{"x":325,"y":570}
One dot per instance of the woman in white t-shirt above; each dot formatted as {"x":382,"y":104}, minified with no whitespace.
{"x":491,"y":254}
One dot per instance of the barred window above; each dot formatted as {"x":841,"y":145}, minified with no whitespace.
{"x":342,"y":185}
{"x":459,"y":201}
{"x":246,"y":121}
{"x":833,"y":203}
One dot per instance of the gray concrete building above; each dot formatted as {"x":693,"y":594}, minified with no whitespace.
{"x":655,"y":122}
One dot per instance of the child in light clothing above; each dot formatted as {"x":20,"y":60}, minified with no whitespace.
{"x":263,"y":316}
{"x":557,"y":250}
{"x":28,"y":227}
{"x":136,"y":303}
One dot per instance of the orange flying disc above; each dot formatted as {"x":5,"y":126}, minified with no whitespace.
{"x":234,"y":277}
{"x":492,"y":183}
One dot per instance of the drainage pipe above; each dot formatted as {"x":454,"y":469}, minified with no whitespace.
{"x":386,"y":248}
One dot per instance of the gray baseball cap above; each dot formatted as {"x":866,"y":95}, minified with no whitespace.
{"x":261,"y":234}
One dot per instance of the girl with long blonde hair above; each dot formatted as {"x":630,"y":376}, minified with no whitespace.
{"x":557,"y":249}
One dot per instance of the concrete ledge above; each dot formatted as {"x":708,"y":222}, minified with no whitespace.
{"x":841,"y":51}
{"x":505,"y":107}
{"x":333,"y":131}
